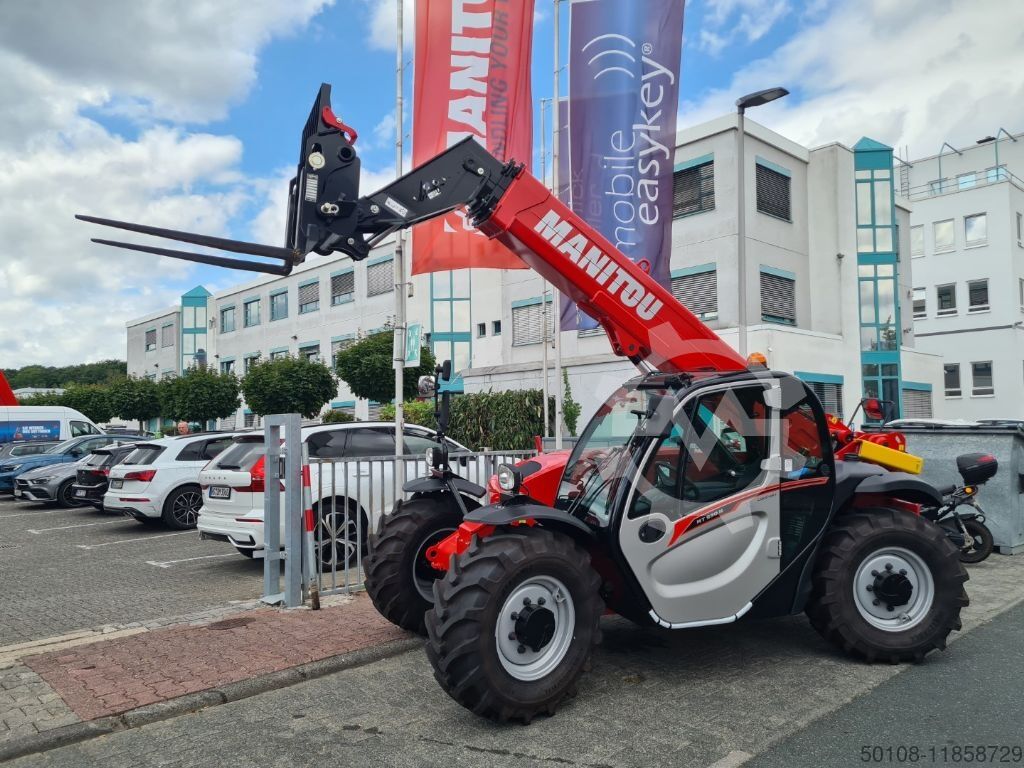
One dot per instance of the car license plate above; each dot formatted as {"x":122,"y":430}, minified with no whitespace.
{"x":116,"y":483}
{"x":220,"y":492}
{"x":80,"y":492}
{"x":17,"y":493}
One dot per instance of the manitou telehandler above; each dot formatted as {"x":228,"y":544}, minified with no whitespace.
{"x":702,"y":492}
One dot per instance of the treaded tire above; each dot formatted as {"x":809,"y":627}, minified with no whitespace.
{"x":65,"y":499}
{"x":390,"y":565}
{"x":180,"y":511}
{"x":831,"y":607}
{"x":983,"y":542}
{"x":461,"y":643}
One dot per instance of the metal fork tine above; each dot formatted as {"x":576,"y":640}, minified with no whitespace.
{"x":235,"y":246}
{"x":202,"y":258}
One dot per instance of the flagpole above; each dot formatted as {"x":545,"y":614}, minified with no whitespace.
{"x":399,"y":275}
{"x":556,"y":295}
{"x":544,"y":286}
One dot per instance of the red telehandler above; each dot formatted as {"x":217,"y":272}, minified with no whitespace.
{"x":702,"y":492}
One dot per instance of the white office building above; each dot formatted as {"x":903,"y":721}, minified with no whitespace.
{"x":828,"y":287}
{"x":967,"y":248}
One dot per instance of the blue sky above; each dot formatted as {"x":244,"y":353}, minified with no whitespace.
{"x":195,"y":124}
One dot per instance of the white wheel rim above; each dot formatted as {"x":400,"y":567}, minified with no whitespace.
{"x":877,"y":612}
{"x":524,"y":663}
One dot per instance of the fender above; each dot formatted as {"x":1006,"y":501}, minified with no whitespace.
{"x":901,"y":485}
{"x":432,"y":484}
{"x":511,"y":512}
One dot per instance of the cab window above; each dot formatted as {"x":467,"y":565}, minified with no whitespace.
{"x":373,"y":441}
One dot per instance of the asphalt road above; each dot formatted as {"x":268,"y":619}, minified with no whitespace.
{"x":63,"y":570}
{"x":711,"y":697}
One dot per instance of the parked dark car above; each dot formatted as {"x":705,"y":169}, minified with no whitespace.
{"x":93,"y":475}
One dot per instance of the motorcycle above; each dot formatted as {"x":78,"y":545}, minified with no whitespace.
{"x":966,"y":528}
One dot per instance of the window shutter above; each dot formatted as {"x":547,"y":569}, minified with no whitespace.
{"x":698,"y":292}
{"x":342,"y":287}
{"x":772,"y":192}
{"x":337,"y":346}
{"x":167,"y":336}
{"x":778,"y":298}
{"x":693,"y":190}
{"x":380,"y":278}
{"x":373,"y":412}
{"x":309,"y":293}
{"x":527,"y":324}
{"x":917,"y":404}
{"x":830,"y":395}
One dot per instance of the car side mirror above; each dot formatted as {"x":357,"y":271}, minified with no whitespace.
{"x":426,"y":386}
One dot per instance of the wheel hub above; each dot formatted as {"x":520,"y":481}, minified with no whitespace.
{"x":535,"y":627}
{"x":893,"y":589}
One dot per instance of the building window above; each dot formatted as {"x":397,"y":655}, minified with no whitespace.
{"x":698,"y":292}
{"x":380,"y":278}
{"x":340,"y":344}
{"x":528,"y":324}
{"x":1020,"y":228}
{"x":481,"y":330}
{"x":946,"y":300}
{"x":693,"y":189}
{"x":251,"y":313}
{"x":1020,"y":292}
{"x":772,"y":192}
{"x":951,"y":378}
{"x":343,"y":288}
{"x":917,"y":403}
{"x":977,"y":295}
{"x":778,"y":299}
{"x":975,"y":229}
{"x":936,"y":187}
{"x":278,"y":354}
{"x":966,"y":180}
{"x":250,"y":420}
{"x":917,"y":240}
{"x":227,"y":320}
{"x":920,"y":303}
{"x":944,"y":235}
{"x":309,"y":297}
{"x":981,"y":379}
{"x":496,"y":327}
{"x":279,"y":306}
{"x":995,"y":174}
{"x":167,"y":336}
{"x":311,"y":352}
{"x":151,"y":340}
{"x":227,"y":366}
{"x":249,"y":361}
{"x":830,"y":395}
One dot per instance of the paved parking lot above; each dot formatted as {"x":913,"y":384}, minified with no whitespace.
{"x":70,"y":569}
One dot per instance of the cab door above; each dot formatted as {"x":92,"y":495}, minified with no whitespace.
{"x":700,"y":528}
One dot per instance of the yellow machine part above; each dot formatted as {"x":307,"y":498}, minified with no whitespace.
{"x":889,"y":458}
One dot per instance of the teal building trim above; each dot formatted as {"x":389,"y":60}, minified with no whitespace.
{"x":818,"y":378}
{"x":772,"y":166}
{"x":919,"y":386}
{"x":686,"y":164}
{"x":694,"y":270}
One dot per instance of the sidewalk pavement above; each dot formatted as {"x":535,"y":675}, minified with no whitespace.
{"x":246,"y":652}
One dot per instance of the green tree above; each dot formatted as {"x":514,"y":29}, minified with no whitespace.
{"x":91,"y":400}
{"x":288,"y":385}
{"x":42,"y":398}
{"x":570,"y":408}
{"x":199,"y":395}
{"x":135,"y":398}
{"x":101,"y":372}
{"x":419,"y":412}
{"x":368,"y":369}
{"x":337,"y":416}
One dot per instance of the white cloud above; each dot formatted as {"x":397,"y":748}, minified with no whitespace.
{"x":725,"y":19}
{"x":913,"y":72}
{"x":65,"y":299}
{"x":384,"y":23}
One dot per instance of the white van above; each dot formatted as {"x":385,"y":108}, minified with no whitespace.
{"x":43,"y":422}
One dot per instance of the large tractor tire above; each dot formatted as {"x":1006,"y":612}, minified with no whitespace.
{"x":513,"y":625}
{"x":888,"y":586}
{"x":399,"y":579}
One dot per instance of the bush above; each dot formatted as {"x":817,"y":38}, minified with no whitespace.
{"x":200,"y":395}
{"x":288,"y":385}
{"x":419,"y":412}
{"x":499,"y":420}
{"x":91,"y":400}
{"x":135,"y":398}
{"x":337,"y":416}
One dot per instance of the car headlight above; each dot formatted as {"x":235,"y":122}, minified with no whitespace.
{"x":429,"y":457}
{"x":40,"y":480}
{"x":509,"y":478}
{"x":11,"y":468}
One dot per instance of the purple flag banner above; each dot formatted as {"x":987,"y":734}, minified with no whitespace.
{"x":624,"y":60}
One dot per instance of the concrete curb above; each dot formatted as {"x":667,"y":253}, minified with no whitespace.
{"x":193,"y":702}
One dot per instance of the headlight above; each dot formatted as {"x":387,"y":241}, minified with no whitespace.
{"x":40,"y":480}
{"x":429,"y":457}
{"x":509,"y":478}
{"x":10,"y":468}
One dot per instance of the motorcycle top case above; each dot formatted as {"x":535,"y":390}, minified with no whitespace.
{"x":976,"y":468}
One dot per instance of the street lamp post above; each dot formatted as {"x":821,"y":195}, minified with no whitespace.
{"x":742,"y":104}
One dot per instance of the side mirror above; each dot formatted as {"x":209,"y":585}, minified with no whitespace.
{"x":426,"y":386}
{"x":446,"y":370}
{"x":873,"y":408}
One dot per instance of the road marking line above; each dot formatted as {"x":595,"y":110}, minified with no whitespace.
{"x":77,"y":525}
{"x":169,"y":563}
{"x":129,"y":541}
{"x":31,"y":514}
{"x":732,"y":760}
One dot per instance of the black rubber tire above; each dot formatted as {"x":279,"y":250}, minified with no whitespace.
{"x":64,"y":498}
{"x":983,"y":543}
{"x":461,"y":641}
{"x":182,"y":520}
{"x":831,"y":607}
{"x":390,"y":565}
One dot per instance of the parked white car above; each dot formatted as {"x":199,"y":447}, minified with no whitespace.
{"x":348,"y":500}
{"x":159,"y":480}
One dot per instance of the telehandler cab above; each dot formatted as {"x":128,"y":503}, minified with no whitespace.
{"x":702,"y":492}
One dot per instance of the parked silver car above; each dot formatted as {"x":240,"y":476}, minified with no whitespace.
{"x":49,"y":483}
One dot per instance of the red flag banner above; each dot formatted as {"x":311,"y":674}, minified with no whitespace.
{"x":472,"y":78}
